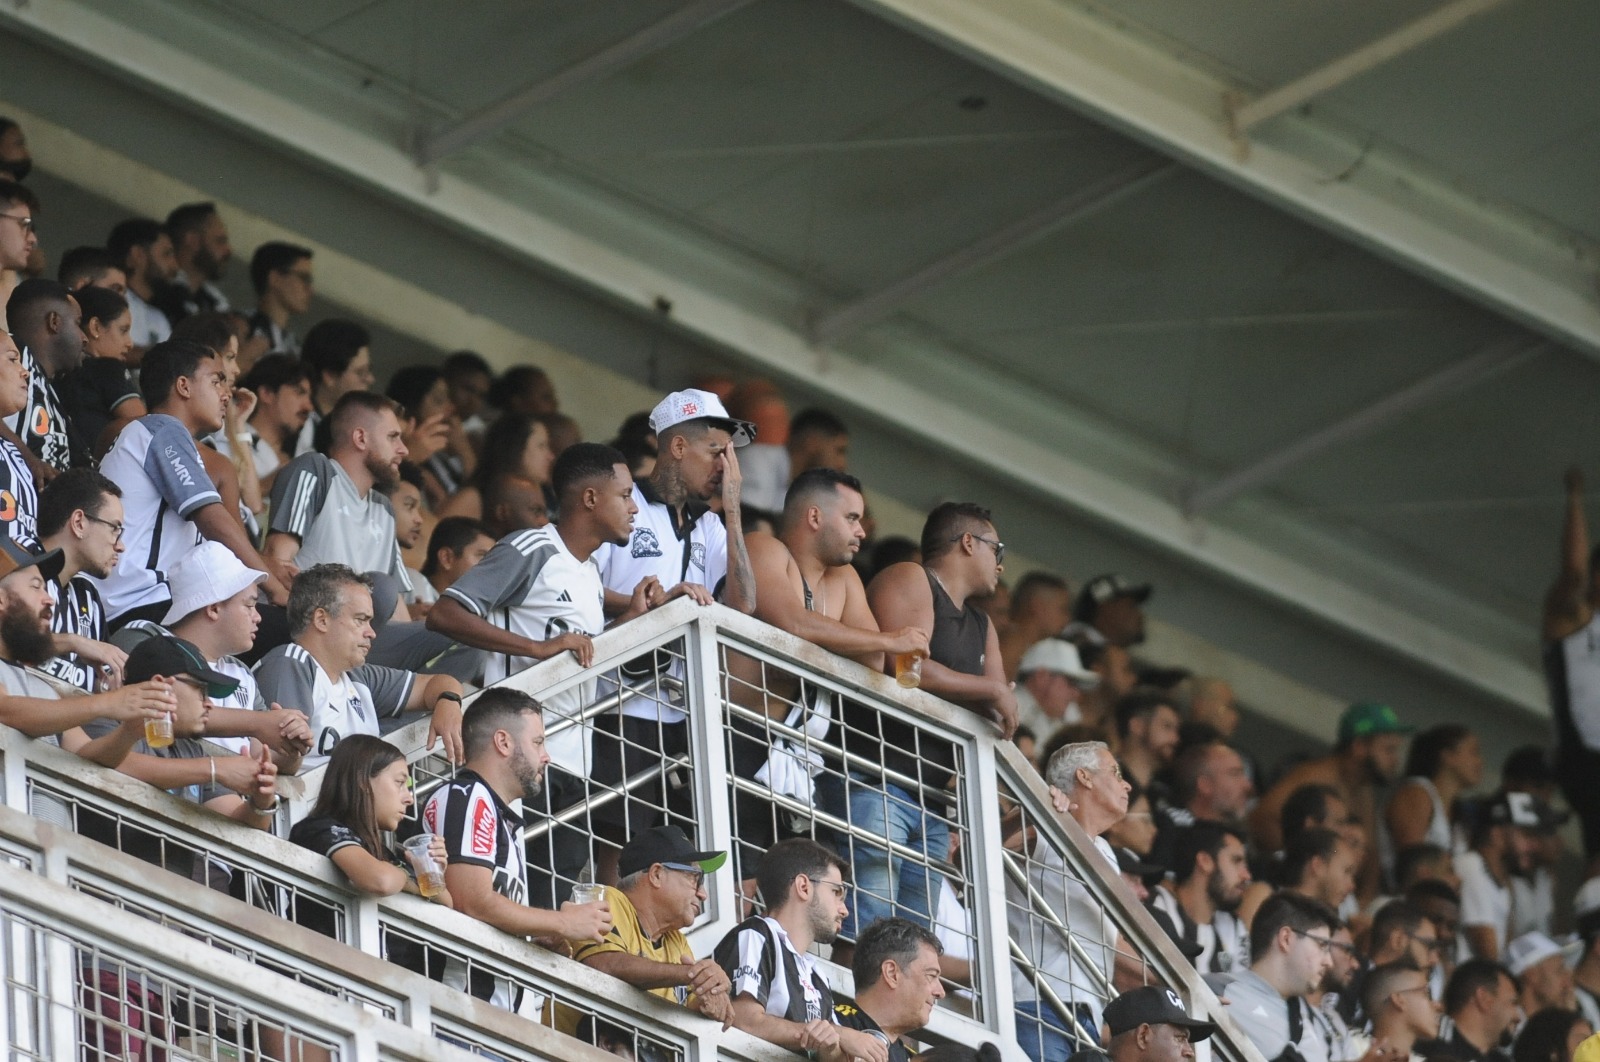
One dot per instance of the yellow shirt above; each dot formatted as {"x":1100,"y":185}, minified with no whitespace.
{"x":627,"y":937}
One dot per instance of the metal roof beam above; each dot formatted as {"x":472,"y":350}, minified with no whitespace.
{"x":1494,"y":359}
{"x":1249,"y":114}
{"x":463,"y":133}
{"x":1516,"y":265}
{"x":761,"y":336}
{"x":1081,"y":203}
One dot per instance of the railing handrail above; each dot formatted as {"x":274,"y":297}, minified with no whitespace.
{"x":702,"y":629}
{"x":259,"y":852}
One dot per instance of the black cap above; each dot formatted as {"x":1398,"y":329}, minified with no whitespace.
{"x":162,"y":654}
{"x":1103,"y":588}
{"x":1153,"y":1005}
{"x":1129,"y":862}
{"x":665,"y":844}
{"x":15,"y":556}
{"x":1524,"y":810}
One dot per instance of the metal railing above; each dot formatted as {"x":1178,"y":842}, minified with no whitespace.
{"x":745,"y":691}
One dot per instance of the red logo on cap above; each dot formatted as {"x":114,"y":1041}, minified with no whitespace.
{"x":690,"y":409}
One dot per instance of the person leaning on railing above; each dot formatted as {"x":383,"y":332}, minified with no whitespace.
{"x":896,"y":970}
{"x":661,"y":891}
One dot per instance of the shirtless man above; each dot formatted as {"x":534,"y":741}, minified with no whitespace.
{"x":806,"y":585}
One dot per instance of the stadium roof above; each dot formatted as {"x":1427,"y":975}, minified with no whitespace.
{"x":1287,"y":304}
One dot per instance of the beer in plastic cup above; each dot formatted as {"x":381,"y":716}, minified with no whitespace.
{"x":908,"y":669}
{"x":430,"y":875}
{"x":158,"y":732}
{"x":588,"y":892}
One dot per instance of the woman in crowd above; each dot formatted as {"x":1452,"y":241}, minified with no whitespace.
{"x":1443,"y":763}
{"x":366,"y":791}
{"x":102,"y":391}
{"x":517,"y":444}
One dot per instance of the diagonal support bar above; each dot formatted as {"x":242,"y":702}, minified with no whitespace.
{"x":1494,"y":359}
{"x":1083,"y":202}
{"x":1286,"y":97}
{"x":496,"y":116}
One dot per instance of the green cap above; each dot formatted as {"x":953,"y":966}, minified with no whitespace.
{"x":1369,"y":720}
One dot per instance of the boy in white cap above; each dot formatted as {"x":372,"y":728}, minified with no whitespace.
{"x":214,"y":608}
{"x":1050,"y":680}
{"x":1545,"y":970}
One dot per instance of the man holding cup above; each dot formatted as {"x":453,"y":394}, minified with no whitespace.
{"x":807,"y":585}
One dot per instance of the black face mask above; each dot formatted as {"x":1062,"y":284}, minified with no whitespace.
{"x":17,"y":170}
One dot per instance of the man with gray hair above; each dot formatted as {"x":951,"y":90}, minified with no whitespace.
{"x":1086,"y":784}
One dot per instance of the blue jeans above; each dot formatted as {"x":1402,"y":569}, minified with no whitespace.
{"x":1045,"y":1036}
{"x":885,"y":885}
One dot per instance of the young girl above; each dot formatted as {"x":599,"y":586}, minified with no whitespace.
{"x":365,"y":793}
{"x":517,"y":444}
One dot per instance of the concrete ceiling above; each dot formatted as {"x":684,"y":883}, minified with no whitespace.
{"x":1323,"y":372}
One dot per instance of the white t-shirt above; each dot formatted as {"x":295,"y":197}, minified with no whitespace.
{"x":246,"y":698}
{"x":157,"y":464}
{"x":150,"y":325}
{"x":696,"y":552}
{"x":1533,"y":903}
{"x":290,"y":676}
{"x":1484,"y":901}
{"x":1074,"y":905}
{"x":531,"y":585}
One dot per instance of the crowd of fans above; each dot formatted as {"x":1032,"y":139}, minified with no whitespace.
{"x":226,"y":558}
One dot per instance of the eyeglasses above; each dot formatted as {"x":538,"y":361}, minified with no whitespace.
{"x":1324,"y":944}
{"x":1347,"y":950}
{"x":26,"y":222}
{"x":698,"y":875}
{"x":116,"y":529}
{"x":1428,"y":943}
{"x":841,"y":890}
{"x":994,"y":543}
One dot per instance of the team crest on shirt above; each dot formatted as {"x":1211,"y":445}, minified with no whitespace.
{"x":697,"y":555}
{"x":8,"y":506}
{"x":645,"y":543}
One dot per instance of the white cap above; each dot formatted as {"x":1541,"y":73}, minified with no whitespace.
{"x":1060,"y":656}
{"x":206,"y":575}
{"x":693,"y":404}
{"x":1530,"y":949}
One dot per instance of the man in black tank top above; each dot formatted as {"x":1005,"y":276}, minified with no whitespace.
{"x":1571,"y":635}
{"x":962,"y":560}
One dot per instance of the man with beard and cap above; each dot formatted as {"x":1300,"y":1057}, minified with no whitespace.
{"x":1545,"y":970}
{"x":1149,"y":1024}
{"x":1365,"y":759}
{"x":1502,"y":847}
{"x":691,"y":552}
{"x":170,"y":504}
{"x":324,"y":672}
{"x":1291,"y":944}
{"x":537,"y":594}
{"x":778,"y":990}
{"x":200,"y":242}
{"x":43,"y":317}
{"x":1110,"y":611}
{"x":1198,"y":906}
{"x":660,"y":893}
{"x":487,"y":874}
{"x":30,"y":703}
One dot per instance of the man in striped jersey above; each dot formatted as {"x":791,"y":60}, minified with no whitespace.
{"x":538,"y":594}
{"x":778,"y":990}
{"x":80,"y":514}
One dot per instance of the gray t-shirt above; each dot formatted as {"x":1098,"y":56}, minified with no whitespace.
{"x":316,"y":501}
{"x":1263,"y":1015}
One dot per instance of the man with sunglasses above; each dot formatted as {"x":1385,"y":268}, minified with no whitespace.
{"x":1291,"y":949}
{"x":661,"y":890}
{"x":778,"y":990}
{"x":962,"y":558}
